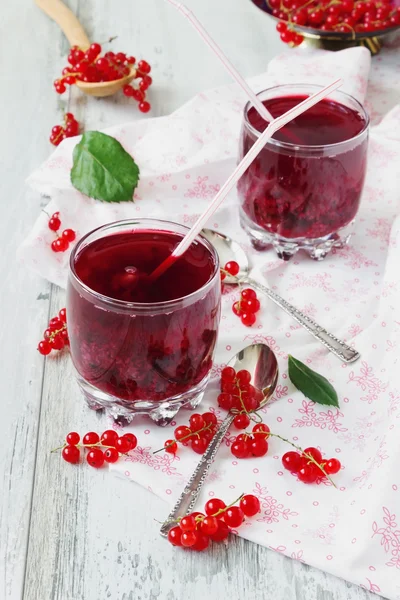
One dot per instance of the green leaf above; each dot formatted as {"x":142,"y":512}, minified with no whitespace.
{"x":312,"y":384}
{"x":102,"y":169}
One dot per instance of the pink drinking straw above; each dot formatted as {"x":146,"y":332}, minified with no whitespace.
{"x":255,"y":101}
{"x":240,"y":169}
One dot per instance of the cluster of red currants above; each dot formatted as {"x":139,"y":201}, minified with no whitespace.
{"x":309,"y":464}
{"x":197,"y":529}
{"x":105,"y":448}
{"x":56,"y":335}
{"x":198,"y":434}
{"x":247,"y":307}
{"x":62,"y":242}
{"x":88,"y":66}
{"x":252,"y":444}
{"x":60,"y":132}
{"x":238,"y":395}
{"x":344,"y":16}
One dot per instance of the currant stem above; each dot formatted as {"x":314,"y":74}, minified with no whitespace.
{"x":96,"y":445}
{"x":311,"y":458}
{"x":189,"y":435}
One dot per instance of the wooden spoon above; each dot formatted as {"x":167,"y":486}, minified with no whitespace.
{"x":76,"y":36}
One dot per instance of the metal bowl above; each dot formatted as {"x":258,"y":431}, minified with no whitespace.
{"x":331,"y":40}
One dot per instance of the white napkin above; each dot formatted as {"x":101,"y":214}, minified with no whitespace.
{"x":352,"y":531}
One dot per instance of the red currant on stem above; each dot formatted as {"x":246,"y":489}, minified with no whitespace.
{"x":232,"y":267}
{"x":44,"y":347}
{"x":171,"y":446}
{"x":250,"y":505}
{"x":111,"y":455}
{"x":233,"y":516}
{"x":175,"y":536}
{"x":214,"y":505}
{"x":332,"y":466}
{"x":71,"y":454}
{"x":90,"y":438}
{"x":144,"y":107}
{"x":95,"y":458}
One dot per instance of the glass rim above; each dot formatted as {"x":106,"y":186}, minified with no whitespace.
{"x":144,"y":307}
{"x":306,"y":147}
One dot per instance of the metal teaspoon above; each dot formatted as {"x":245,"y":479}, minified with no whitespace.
{"x":228,"y":249}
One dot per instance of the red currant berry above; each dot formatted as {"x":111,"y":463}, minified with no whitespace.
{"x":199,"y":445}
{"x":55,"y":323}
{"x":232,"y":267}
{"x":251,"y":306}
{"x":291,"y":461}
{"x":243,"y":377}
{"x":73,"y":438}
{"x":244,"y":437}
{"x":189,"y":538}
{"x":209,"y":418}
{"x":171,"y":446}
{"x":109,"y":437}
{"x":175,"y":536}
{"x":95,"y":49}
{"x":138,"y":95}
{"x":221,"y":533}
{"x":250,"y":505}
{"x":287,"y":36}
{"x":314,"y":452}
{"x":196,"y":422}
{"x":209,"y":526}
{"x":213,"y":506}
{"x":57,"y":343}
{"x":123,"y":445}
{"x":128,"y":91}
{"x":201,"y":543}
{"x":259,"y":446}
{"x":90,"y":438}
{"x":69,"y":235}
{"x":146,"y":79}
{"x":309,"y":473}
{"x":111,"y":455}
{"x":225,"y":401}
{"x":131,"y":439}
{"x":228,"y":374}
{"x":300,"y":17}
{"x":59,"y":86}
{"x":144,"y":67}
{"x":72,"y":129}
{"x":57,"y":129}
{"x":143,"y":85}
{"x":130,"y":60}
{"x":233,"y":516}
{"x":71,"y":454}
{"x":240,"y":449}
{"x":182,"y":432}
{"x":237,"y":308}
{"x":44,"y":347}
{"x":188,"y":523}
{"x":59,"y":245}
{"x":248,"y":319}
{"x":95,"y":458}
{"x":62,"y":315}
{"x":241,"y":421}
{"x":54,"y":223}
{"x":144,"y":107}
{"x":47,"y":333}
{"x":261,"y":430}
{"x":316,"y":17}
{"x":248,"y":294}
{"x":249,"y":402}
{"x":332,"y":466}
{"x":281,"y":26}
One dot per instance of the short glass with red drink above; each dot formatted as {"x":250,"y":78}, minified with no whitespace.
{"x":140,"y":346}
{"x":303,"y":190}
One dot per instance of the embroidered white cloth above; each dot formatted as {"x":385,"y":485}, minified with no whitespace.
{"x":352,"y":531}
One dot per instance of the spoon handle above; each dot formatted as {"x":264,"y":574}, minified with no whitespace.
{"x":334,"y":345}
{"x":67,"y":21}
{"x":188,"y":498}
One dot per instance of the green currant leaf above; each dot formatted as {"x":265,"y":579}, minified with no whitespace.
{"x":102,"y":169}
{"x":312,"y":384}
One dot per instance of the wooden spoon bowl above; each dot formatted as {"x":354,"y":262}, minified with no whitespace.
{"x":76,"y":36}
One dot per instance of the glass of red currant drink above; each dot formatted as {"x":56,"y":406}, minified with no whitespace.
{"x":137,"y":346}
{"x":303,"y":190}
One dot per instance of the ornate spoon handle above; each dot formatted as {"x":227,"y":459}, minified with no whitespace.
{"x":334,"y":345}
{"x":187,"y":499}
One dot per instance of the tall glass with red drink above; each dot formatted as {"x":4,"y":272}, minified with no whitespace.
{"x":138,"y":346}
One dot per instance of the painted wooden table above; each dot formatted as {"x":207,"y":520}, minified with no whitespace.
{"x":75,"y":533}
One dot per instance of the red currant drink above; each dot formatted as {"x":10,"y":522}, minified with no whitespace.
{"x":303,"y":190}
{"x":139,"y":346}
